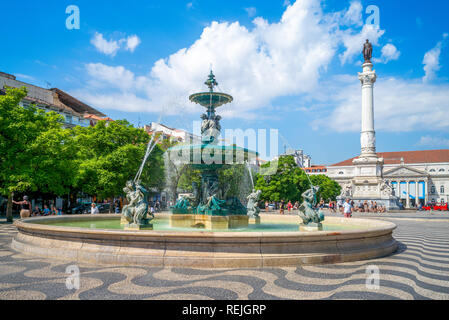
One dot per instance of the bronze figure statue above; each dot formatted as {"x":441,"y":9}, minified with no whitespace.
{"x":367,"y":51}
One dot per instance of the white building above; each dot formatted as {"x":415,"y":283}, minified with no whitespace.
{"x":301,"y":159}
{"x":172,"y":133}
{"x":415,"y":176}
{"x":75,"y":112}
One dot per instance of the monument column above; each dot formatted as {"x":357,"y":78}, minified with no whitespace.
{"x":368,"y":135}
{"x":368,"y":181}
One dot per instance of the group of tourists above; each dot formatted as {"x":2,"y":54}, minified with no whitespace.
{"x":346,"y":207}
{"x":26,"y":211}
{"x":282,"y":206}
{"x":363,"y":207}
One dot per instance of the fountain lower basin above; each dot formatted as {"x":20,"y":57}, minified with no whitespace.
{"x":343,"y":240}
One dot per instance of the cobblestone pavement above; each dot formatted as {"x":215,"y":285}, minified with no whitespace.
{"x":419,"y":270}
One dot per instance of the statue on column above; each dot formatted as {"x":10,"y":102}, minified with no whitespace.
{"x":367,"y":51}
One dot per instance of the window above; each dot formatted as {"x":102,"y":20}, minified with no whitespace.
{"x":441,"y":170}
{"x":68,"y":119}
{"x":432,"y":170}
{"x":432,"y":189}
{"x":341,"y":172}
{"x":442,"y":189}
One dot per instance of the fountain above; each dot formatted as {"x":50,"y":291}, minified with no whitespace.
{"x":207,"y":208}
{"x":231,"y":235}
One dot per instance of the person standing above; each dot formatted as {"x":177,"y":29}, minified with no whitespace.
{"x":289,"y":206}
{"x":94,"y":209}
{"x":332,"y":206}
{"x":347,"y":209}
{"x":25,"y":207}
{"x":282,"y":207}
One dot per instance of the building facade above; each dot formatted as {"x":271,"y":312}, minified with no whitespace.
{"x":167,"y":133}
{"x":316,"y":170}
{"x":301,"y":159}
{"x":74,"y":112}
{"x":414,"y":176}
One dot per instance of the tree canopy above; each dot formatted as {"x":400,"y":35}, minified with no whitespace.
{"x":288,"y":182}
{"x":110,"y":154}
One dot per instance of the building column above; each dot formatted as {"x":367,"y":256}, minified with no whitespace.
{"x":426,"y":192}
{"x":417,"y":193}
{"x":408,"y":195}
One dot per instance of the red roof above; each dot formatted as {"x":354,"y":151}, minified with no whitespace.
{"x":427,"y":156}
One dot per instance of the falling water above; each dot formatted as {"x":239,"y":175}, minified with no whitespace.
{"x":150,"y":149}
{"x":250,"y":173}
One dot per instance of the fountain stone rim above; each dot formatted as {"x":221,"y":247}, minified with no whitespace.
{"x":204,"y":249}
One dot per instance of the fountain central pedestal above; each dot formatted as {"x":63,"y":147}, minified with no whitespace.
{"x":208,"y":222}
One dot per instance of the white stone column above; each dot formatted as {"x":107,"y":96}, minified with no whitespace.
{"x":417,"y":193}
{"x":408,"y":195}
{"x":426,"y":192}
{"x":368,"y":135}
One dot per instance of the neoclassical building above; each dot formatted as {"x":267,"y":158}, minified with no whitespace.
{"x":415,"y":176}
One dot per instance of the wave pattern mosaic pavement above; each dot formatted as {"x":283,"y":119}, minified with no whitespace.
{"x":419,"y":270}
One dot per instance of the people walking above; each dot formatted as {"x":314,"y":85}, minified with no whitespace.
{"x":347,"y":208}
{"x":25,"y":207}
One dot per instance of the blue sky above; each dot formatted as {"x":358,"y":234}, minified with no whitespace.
{"x":291,"y":66}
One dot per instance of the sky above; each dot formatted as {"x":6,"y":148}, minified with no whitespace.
{"x":290,"y":65}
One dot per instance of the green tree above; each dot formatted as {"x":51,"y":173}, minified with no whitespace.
{"x":31,"y":141}
{"x":111,"y":154}
{"x":287,"y":183}
{"x":329,"y":189}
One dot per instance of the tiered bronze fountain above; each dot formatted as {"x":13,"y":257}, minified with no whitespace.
{"x":207,"y":209}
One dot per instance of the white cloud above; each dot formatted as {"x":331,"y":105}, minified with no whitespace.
{"x":256,"y":65}
{"x":354,"y":14}
{"x":429,"y":141}
{"x":401,"y":105}
{"x":431,"y":62}
{"x":104,"y":46}
{"x":189,"y":5}
{"x":251,"y":11}
{"x":389,"y":53}
{"x":132,"y":42}
{"x":24,"y":76}
{"x":111,"y":47}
